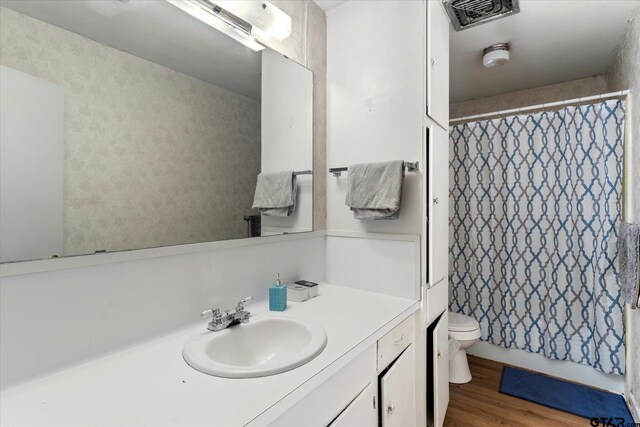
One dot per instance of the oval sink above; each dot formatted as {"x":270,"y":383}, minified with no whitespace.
{"x":265,"y":346}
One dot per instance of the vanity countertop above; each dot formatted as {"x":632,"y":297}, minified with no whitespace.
{"x":151,"y":385}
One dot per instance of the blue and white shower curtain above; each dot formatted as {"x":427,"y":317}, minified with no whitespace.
{"x":535,"y":205}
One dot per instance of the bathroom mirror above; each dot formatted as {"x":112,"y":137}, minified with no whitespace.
{"x":128,"y":124}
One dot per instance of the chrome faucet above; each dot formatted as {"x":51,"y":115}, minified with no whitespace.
{"x":220,"y":321}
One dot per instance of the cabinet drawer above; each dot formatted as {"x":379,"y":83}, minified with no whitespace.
{"x":392,"y":344}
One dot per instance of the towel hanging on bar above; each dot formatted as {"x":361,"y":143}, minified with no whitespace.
{"x":276,"y":193}
{"x":629,"y":262}
{"x":374,"y":190}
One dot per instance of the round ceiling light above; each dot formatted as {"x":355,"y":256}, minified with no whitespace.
{"x":495,"y":55}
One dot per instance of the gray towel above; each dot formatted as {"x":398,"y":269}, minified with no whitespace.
{"x":629,"y":262}
{"x":276,"y":193}
{"x":374,"y":190}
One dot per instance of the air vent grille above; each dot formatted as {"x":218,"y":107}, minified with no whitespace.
{"x":469,"y":13}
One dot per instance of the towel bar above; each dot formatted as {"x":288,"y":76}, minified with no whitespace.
{"x":409,"y":166}
{"x":307,"y":172}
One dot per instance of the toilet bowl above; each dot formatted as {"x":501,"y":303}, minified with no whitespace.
{"x":466,"y":331}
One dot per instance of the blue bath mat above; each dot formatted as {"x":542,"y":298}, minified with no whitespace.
{"x":568,"y":397}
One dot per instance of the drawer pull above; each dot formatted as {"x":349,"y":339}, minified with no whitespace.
{"x":390,"y":409}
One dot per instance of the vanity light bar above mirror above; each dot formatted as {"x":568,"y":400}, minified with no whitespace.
{"x":221,"y":21}
{"x":240,"y":19}
{"x":264,"y":17}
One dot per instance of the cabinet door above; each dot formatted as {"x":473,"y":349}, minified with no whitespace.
{"x":437,"y":63}
{"x":362,"y":412}
{"x":397,"y":392}
{"x":441,"y":369}
{"x":438,"y":203}
{"x":328,"y":400}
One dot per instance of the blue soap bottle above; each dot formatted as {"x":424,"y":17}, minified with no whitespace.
{"x":277,"y":295}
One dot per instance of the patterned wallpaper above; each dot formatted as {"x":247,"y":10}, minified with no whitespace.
{"x":625,"y":74}
{"x":153,"y":157}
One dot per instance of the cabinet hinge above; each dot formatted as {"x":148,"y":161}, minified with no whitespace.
{"x":374,"y":402}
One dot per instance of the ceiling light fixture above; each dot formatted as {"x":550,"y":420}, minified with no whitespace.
{"x":495,"y":55}
{"x":220,"y":19}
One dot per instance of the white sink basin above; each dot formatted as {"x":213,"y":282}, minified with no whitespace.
{"x":266,"y":346}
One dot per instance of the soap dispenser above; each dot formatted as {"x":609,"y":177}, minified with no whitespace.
{"x":277,"y":295}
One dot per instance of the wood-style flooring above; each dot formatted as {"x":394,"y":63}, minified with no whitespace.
{"x":479,"y":403}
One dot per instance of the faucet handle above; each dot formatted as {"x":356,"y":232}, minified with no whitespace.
{"x":242,"y":302}
{"x":212,"y":312}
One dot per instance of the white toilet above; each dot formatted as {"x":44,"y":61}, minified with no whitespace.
{"x":466,"y":331}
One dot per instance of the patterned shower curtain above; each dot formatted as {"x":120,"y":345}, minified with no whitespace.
{"x":535,"y":205}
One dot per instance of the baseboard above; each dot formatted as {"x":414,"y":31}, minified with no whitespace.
{"x":570,"y":371}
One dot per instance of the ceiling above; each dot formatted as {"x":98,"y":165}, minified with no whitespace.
{"x":156,"y":31}
{"x":329,"y":4}
{"x":552,"y":41}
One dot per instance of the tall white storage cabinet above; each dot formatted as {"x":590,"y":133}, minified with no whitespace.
{"x":388,"y":99}
{"x":435,"y":229}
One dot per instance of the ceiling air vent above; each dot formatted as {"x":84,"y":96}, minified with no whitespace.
{"x":469,"y":13}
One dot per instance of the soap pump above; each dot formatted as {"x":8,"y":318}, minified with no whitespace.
{"x":277,"y":295}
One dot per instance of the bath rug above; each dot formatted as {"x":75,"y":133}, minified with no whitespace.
{"x":601,"y":407}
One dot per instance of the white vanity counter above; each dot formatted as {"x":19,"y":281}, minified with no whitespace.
{"x":151,"y":385}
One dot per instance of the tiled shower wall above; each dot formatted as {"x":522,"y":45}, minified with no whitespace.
{"x":625,"y":74}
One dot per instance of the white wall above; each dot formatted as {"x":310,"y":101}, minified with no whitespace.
{"x":388,"y":264}
{"x":287,"y":134}
{"x":375,"y":103}
{"x":31,"y":159}
{"x":51,"y":320}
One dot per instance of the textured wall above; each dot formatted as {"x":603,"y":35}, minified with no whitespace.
{"x":153,"y":157}
{"x":625,"y":74}
{"x":308,"y":46}
{"x":522,"y":98}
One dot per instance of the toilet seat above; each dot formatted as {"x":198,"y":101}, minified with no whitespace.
{"x":463,"y":328}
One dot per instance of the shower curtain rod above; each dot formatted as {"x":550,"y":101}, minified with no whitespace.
{"x":620,"y":94}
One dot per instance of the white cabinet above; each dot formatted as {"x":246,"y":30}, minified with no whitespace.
{"x":437,"y":63}
{"x":394,"y":342}
{"x":437,"y":204}
{"x":325,"y":403}
{"x":383,"y":374}
{"x":397,"y":391}
{"x":441,"y":370}
{"x":438,"y":370}
{"x":362,"y":412}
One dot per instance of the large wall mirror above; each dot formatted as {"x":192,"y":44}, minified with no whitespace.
{"x":129,"y":124}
